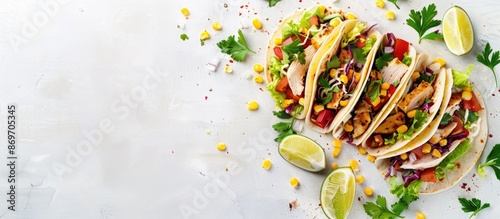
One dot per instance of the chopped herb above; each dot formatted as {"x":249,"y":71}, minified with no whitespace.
{"x":237,"y":49}
{"x":333,"y":63}
{"x":358,"y":55}
{"x":328,"y":98}
{"x":493,"y":161}
{"x":202,"y":42}
{"x":473,"y":205}
{"x":323,"y":82}
{"x":423,"y":20}
{"x":446,"y":119}
{"x":484,"y":58}
{"x":335,"y":89}
{"x":379,"y":209}
{"x":383,"y":60}
{"x":282,"y":114}
{"x":178,"y":26}
{"x":285,"y":129}
{"x":394,"y":2}
{"x":428,"y":79}
{"x":295,"y":50}
{"x":374,"y":90}
{"x":407,"y":59}
{"x":184,"y":37}
{"x":273,"y":2}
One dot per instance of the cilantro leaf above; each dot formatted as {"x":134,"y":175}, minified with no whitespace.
{"x":282,"y":114}
{"x":323,"y":82}
{"x":446,"y":119}
{"x":333,"y":63}
{"x":383,"y":60}
{"x":493,"y":161}
{"x":406,"y":195}
{"x":359,"y":55}
{"x":423,"y":20}
{"x":379,"y":209}
{"x":394,"y":2}
{"x":273,"y":2}
{"x":473,"y":205}
{"x":484,"y":58}
{"x":237,"y":49}
{"x":184,"y":37}
{"x":295,"y":50}
{"x":374,"y":90}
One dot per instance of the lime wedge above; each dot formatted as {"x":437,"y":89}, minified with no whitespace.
{"x":457,"y":31}
{"x":303,"y":152}
{"x":338,"y":192}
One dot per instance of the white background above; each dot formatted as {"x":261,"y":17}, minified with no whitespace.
{"x":117,"y":117}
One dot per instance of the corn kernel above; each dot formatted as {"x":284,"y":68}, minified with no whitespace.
{"x":318,"y":108}
{"x":360,"y":179}
{"x":336,"y":152}
{"x":354,"y":165}
{"x":257,"y":23}
{"x":466,"y":95}
{"x":376,"y":102}
{"x":321,"y":9}
{"x":357,"y":77}
{"x":334,"y":166}
{"x":404,"y":156}
{"x":303,"y":30}
{"x":380,"y":3}
{"x":258,"y":68}
{"x":185,"y":11}
{"x":228,"y":69}
{"x":350,"y":16}
{"x":344,"y":102}
{"x":337,"y":143}
{"x":294,"y":182}
{"x":441,"y":62}
{"x":411,"y":113}
{"x":348,"y":127}
{"x":371,"y":158}
{"x":301,"y":101}
{"x":204,"y":35}
{"x":426,"y":148}
{"x":436,"y":153}
{"x":343,"y":78}
{"x":216,"y":26}
{"x":390,"y":15}
{"x":258,"y":79}
{"x":333,"y":73}
{"x":443,"y":142}
{"x":286,"y":103}
{"x":368,"y":191}
{"x":434,"y":140}
{"x":415,"y":76}
{"x":402,"y":129}
{"x":266,"y":164}
{"x":385,"y":86}
{"x":278,"y":41}
{"x":221,"y":146}
{"x":419,"y":215}
{"x":335,"y":22}
{"x":361,"y":150}
{"x":466,"y":89}
{"x":253,"y":105}
{"x":383,"y":93}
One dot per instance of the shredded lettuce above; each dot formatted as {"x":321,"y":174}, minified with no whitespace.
{"x":304,"y":21}
{"x":369,"y":45}
{"x":351,"y":36}
{"x":290,"y":29}
{"x":461,"y":79}
{"x":275,"y":66}
{"x":449,"y":162}
{"x":418,"y":122}
{"x":406,"y":195}
{"x":277,"y":97}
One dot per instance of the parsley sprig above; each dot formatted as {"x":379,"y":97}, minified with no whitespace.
{"x":284,"y":128}
{"x":395,"y":2}
{"x":237,"y":49}
{"x":273,"y":2}
{"x":423,"y":20}
{"x":484,"y":58}
{"x":473,"y":205}
{"x":493,"y":161}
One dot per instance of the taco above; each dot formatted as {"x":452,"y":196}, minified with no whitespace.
{"x":413,"y":112}
{"x":340,"y":76}
{"x":293,"y":47}
{"x":386,"y":80}
{"x":451,"y":150}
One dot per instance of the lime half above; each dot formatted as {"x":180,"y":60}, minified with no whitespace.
{"x":303,"y":152}
{"x":338,"y":192}
{"x":457,"y":31}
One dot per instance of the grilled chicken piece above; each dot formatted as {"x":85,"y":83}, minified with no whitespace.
{"x":394,"y":71}
{"x":297,"y":71}
{"x":320,"y":37}
{"x":455,"y":99}
{"x":375,"y":74}
{"x":391,"y":124}
{"x":344,"y":55}
{"x":416,"y":97}
{"x":361,"y":123}
{"x":442,"y":133}
{"x":362,"y":107}
{"x":334,"y":103}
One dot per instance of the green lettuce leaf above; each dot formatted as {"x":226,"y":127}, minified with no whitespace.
{"x":304,"y":21}
{"x":369,"y":45}
{"x":351,"y":36}
{"x":290,"y":29}
{"x":275,"y":66}
{"x":277,"y":97}
{"x":418,"y":122}
{"x":461,"y":79}
{"x":449,"y":162}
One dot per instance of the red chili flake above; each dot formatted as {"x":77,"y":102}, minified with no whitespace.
{"x":241,"y":6}
{"x":468,"y":189}
{"x":300,"y":1}
{"x":230,"y":60}
{"x":463,"y":185}
{"x":261,"y":89}
{"x":474,"y":175}
{"x":359,"y":198}
{"x":280,"y":20}
{"x":491,"y":135}
{"x":492,"y":94}
{"x":206,"y":97}
{"x":239,"y":14}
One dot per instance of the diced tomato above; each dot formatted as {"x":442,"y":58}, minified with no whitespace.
{"x":288,"y":40}
{"x":314,"y":21}
{"x":472,"y":104}
{"x":361,"y":41}
{"x":400,"y":48}
{"x":370,"y":143}
{"x":391,"y":91}
{"x":307,"y":41}
{"x":278,"y":53}
{"x":282,"y":85}
{"x":429,"y":175}
{"x":418,"y":152}
{"x":460,"y":126}
{"x":324,"y":118}
{"x":290,"y":95}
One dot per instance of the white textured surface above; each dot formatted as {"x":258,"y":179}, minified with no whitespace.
{"x":81,"y":66}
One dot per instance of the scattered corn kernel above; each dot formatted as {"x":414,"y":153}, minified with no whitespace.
{"x":266,"y":164}
{"x":390,"y":15}
{"x":419,"y":215}
{"x":436,"y":153}
{"x":294,"y":182}
{"x":344,"y":102}
{"x":404,"y":156}
{"x":443,"y":142}
{"x":335,"y":22}
{"x":466,"y":95}
{"x":301,"y":101}
{"x":383,"y":93}
{"x":466,"y":89}
{"x":360,"y":179}
{"x":253,"y":105}
{"x":426,"y":148}
{"x":278,"y":41}
{"x":357,"y":76}
{"x":354,"y":165}
{"x":216,"y":26}
{"x":350,"y":16}
{"x":204,"y":35}
{"x":335,"y":166}
{"x":228,"y":69}
{"x":402,"y":129}
{"x":411,"y":113}
{"x":333,"y":73}
{"x":348,"y":127}
{"x":376,"y":102}
{"x":415,"y":76}
{"x":257,"y":23}
{"x":337,"y":143}
{"x":286,"y":103}
{"x":380,"y":3}
{"x":344,"y":79}
{"x":318,"y":108}
{"x":368,"y":191}
{"x":371,"y":158}
{"x":258,"y":79}
{"x":258,"y":68}
{"x":185,"y":11}
{"x":336,"y":152}
{"x":441,"y":62}
{"x":221,"y":146}
{"x":361,"y":150}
